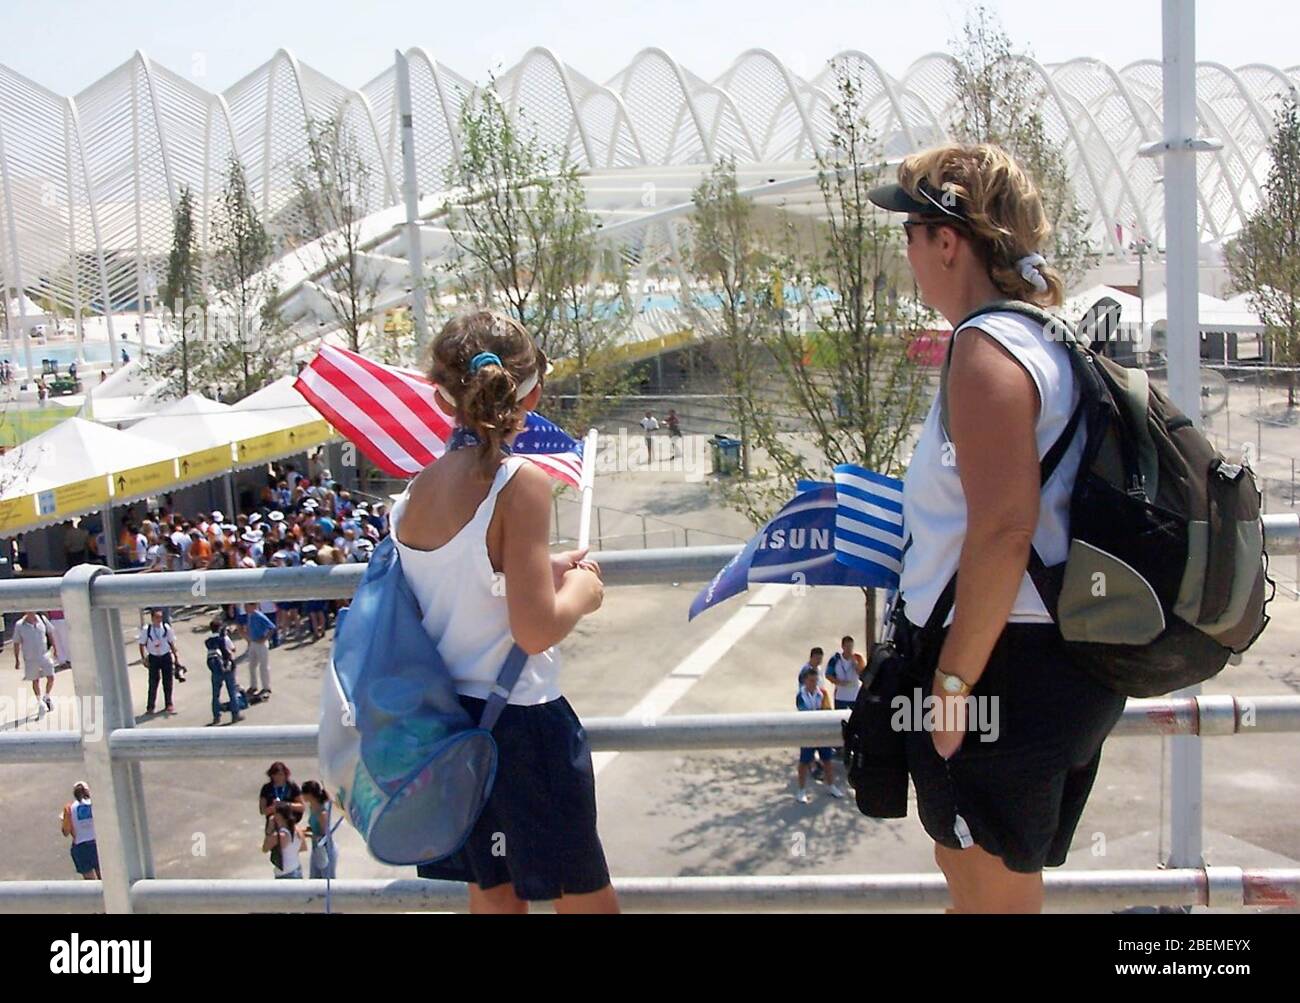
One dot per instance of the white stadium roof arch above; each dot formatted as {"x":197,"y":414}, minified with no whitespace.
{"x":88,"y":182}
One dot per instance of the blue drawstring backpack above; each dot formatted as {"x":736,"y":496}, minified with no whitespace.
{"x":404,"y":758}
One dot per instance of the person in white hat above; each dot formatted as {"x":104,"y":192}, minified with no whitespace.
{"x":218,"y":516}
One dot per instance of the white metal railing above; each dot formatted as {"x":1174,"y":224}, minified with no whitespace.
{"x":112,"y":749}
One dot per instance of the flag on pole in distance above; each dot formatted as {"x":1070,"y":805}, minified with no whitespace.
{"x":869,"y":522}
{"x":391,"y":416}
{"x":796,"y":547}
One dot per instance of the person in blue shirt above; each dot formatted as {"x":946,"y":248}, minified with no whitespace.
{"x":259,"y":631}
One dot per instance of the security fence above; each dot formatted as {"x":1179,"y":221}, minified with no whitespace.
{"x":92,"y":598}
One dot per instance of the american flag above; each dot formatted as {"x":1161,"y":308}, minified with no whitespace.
{"x":868,"y":519}
{"x":393,"y":417}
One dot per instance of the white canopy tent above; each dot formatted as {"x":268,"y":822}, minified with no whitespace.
{"x":297,"y":425}
{"x":1079,"y":303}
{"x":78,"y":467}
{"x":1234,"y":317}
{"x":205,"y":434}
{"x":279,"y":404}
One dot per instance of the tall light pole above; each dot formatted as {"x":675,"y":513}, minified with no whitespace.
{"x":411,"y":198}
{"x":1179,"y":148}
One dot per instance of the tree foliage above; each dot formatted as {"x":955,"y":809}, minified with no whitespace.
{"x":1264,"y":259}
{"x":243,"y":249}
{"x":813,"y":337}
{"x":525,"y":243}
{"x":728,"y":258}
{"x":333,"y":195}
{"x":181,"y":290}
{"x":1000,"y":98}
{"x":234,"y":341}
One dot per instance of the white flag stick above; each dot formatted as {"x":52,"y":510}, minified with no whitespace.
{"x":588,"y":486}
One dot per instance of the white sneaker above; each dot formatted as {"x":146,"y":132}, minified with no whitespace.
{"x":803,"y":797}
{"x":835,"y":791}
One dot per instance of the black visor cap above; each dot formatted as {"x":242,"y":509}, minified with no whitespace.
{"x":896,"y":198}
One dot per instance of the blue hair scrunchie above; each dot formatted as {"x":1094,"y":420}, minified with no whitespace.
{"x":481,"y":360}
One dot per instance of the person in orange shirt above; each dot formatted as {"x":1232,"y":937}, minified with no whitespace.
{"x":200,"y":550}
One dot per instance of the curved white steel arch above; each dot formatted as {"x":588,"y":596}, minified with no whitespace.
{"x":1106,"y":113}
{"x":890,"y":90}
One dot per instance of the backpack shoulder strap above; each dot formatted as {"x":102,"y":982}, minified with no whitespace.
{"x":1039,"y":574}
{"x":501,"y":689}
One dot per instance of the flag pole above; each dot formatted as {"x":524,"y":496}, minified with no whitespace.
{"x":588,"y":488}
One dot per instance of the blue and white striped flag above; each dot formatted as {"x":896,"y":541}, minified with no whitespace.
{"x":869,"y":521}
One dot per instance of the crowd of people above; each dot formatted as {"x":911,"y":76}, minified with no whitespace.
{"x":299,"y":521}
{"x":296,"y":521}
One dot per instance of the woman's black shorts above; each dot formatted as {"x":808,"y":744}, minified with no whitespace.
{"x":538,"y":828}
{"x":1020,"y":796}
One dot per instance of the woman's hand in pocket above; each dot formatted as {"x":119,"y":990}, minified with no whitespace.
{"x":947,"y":720}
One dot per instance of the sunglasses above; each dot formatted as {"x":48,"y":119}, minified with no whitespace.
{"x":931,"y":223}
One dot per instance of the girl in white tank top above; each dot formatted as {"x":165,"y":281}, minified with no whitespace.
{"x":472,"y":533}
{"x":471,"y":618}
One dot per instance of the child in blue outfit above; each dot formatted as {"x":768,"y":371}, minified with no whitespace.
{"x":812,"y":696}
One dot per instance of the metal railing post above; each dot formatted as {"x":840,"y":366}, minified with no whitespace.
{"x":100,"y":676}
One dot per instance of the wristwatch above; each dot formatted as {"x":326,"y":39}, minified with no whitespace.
{"x":952,"y":685}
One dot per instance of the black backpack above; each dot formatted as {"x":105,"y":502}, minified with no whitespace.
{"x":1166,"y":575}
{"x":218,"y":660}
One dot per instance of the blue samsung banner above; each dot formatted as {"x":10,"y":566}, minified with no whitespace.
{"x":796,"y":547}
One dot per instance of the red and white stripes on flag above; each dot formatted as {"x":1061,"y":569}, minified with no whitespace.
{"x":389,"y":413}
{"x":393,"y":416}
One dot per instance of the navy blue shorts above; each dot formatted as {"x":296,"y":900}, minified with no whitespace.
{"x":1021,"y":795}
{"x":85,"y":856}
{"x":538,"y":828}
{"x":806,"y":754}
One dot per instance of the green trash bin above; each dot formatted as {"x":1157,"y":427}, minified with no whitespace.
{"x":726,"y":455}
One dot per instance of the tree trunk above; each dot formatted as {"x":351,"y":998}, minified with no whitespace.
{"x":869,"y":616}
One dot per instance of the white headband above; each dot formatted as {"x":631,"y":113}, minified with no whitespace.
{"x":1028,"y":269}
{"x":523,"y":390}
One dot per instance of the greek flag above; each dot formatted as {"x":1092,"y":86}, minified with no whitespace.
{"x":869,"y":521}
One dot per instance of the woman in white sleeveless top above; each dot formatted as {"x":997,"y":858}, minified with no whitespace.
{"x":1001,"y":804}
{"x":473,"y":534}
{"x":79,"y":823}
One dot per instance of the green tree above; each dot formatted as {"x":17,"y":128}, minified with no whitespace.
{"x":1264,"y":259}
{"x":999,"y":101}
{"x":829,"y":314}
{"x":243,"y":249}
{"x":525,"y":243}
{"x":332,"y":196}
{"x":181,"y":288}
{"x":728,"y":259}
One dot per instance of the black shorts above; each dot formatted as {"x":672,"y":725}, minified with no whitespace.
{"x":538,"y":828}
{"x":1020,"y":796}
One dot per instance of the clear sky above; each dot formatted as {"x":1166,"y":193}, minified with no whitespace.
{"x":68,"y":44}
